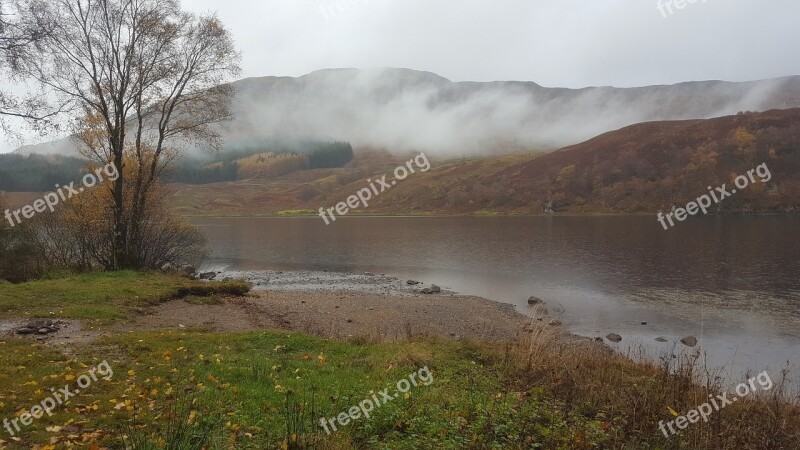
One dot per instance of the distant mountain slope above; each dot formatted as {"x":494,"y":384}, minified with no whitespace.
{"x":640,"y":168}
{"x":409,"y":110}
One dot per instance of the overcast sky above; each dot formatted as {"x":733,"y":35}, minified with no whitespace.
{"x":555,"y":43}
{"x":573,"y":43}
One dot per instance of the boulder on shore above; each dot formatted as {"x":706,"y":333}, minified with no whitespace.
{"x":614,"y":337}
{"x":689,"y":341}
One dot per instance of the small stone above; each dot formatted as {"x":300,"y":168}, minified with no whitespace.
{"x":533,"y":301}
{"x":349,"y":320}
{"x":26,"y":330}
{"x":412,"y":282}
{"x":661,"y":339}
{"x":644,"y":323}
{"x":555,"y":323}
{"x":435,"y":289}
{"x":43,"y":330}
{"x":598,"y":339}
{"x":614,"y":337}
{"x":427,"y":291}
{"x":689,"y":341}
{"x":369,"y":274}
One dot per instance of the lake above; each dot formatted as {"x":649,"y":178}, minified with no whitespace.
{"x":733,"y":282}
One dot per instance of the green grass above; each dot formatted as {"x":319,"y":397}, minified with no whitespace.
{"x":297,"y":213}
{"x":103,"y":296}
{"x":270,"y":389}
{"x":193,"y":389}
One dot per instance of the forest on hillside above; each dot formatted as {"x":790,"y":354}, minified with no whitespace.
{"x":259,"y":159}
{"x":39,"y":173}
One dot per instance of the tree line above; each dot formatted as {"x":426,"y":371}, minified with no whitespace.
{"x":40,"y":173}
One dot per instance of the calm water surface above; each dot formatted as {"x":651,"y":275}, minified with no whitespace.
{"x":732,"y":282}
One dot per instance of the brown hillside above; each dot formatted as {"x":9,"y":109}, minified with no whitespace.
{"x":650,"y":166}
{"x":640,"y":168}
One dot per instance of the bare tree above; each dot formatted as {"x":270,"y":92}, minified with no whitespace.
{"x":148,"y":78}
{"x":21,"y":33}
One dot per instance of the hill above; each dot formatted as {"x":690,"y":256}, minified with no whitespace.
{"x":408,"y":110}
{"x":637,"y":169}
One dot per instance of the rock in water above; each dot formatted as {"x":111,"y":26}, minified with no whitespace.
{"x":661,"y":339}
{"x":533,"y":301}
{"x":614,"y":337}
{"x":689,"y":341}
{"x":435,"y":289}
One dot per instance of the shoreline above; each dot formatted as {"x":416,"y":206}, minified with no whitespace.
{"x":373,"y":306}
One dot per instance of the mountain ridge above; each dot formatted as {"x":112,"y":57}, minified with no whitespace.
{"x":405,"y":110}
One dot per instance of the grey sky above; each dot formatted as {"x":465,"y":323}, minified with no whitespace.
{"x":574,"y":43}
{"x":555,"y":43}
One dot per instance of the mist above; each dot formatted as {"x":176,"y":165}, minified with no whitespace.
{"x":405,"y":110}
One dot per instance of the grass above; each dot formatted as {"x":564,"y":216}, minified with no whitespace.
{"x":269,"y":390}
{"x":103,"y":296}
{"x":193,"y":389}
{"x":263,"y":390}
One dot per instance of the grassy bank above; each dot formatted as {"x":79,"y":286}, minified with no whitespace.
{"x":194,"y":389}
{"x":103,"y":296}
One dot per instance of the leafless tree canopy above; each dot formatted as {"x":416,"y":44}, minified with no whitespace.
{"x":147,"y":77}
{"x":21,"y":33}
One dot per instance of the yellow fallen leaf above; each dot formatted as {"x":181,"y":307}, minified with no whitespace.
{"x":673,"y":412}
{"x":54,"y":429}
